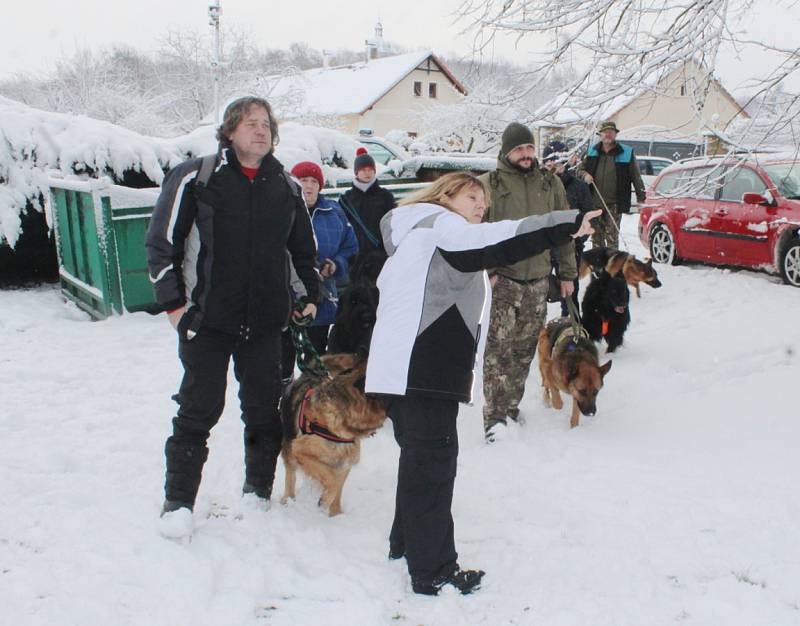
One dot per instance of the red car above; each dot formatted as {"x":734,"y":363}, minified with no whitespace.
{"x":727,"y":211}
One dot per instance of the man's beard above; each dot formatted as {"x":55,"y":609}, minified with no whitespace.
{"x":525,"y":169}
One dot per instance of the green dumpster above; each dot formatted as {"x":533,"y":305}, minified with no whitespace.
{"x":100,"y":230}
{"x":100,"y":233}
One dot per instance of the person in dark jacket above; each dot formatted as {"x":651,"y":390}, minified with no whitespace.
{"x":218,"y":256}
{"x":424,"y":348}
{"x":579,"y":196}
{"x":336,"y":244}
{"x":365,"y":204}
{"x":610,"y":169}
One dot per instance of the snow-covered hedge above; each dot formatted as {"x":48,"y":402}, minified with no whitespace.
{"x":335,"y":151}
{"x":35,"y":141}
{"x":450,"y":162}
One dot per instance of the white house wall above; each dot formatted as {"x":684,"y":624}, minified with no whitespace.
{"x":401,"y":109}
{"x":670,"y":109}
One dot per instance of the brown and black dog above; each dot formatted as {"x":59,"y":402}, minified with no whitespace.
{"x":324,"y":420}
{"x":570,"y":363}
{"x":613,"y":261}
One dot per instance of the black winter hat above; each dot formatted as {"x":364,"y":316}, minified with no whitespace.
{"x":362,"y":160}
{"x":515,"y":135}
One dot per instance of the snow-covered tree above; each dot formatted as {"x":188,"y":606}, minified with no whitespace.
{"x":622,"y":44}
{"x":475,"y":123}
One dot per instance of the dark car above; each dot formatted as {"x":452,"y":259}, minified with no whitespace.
{"x":727,"y":211}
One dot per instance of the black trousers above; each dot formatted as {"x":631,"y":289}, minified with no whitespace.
{"x":201,"y":400}
{"x":425,"y":429}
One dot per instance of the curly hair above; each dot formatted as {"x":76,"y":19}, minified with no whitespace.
{"x":235,"y":112}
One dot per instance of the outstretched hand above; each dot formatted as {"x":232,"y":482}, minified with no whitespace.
{"x":586,"y":226}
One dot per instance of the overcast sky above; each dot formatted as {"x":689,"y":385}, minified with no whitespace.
{"x":36,"y":33}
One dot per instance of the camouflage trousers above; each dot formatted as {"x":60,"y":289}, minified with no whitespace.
{"x":518,"y":315}
{"x":607,"y":235}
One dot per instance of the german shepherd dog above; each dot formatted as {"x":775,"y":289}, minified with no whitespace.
{"x":324,"y":420}
{"x":605,"y":311}
{"x":613,"y":261}
{"x":570,"y":363}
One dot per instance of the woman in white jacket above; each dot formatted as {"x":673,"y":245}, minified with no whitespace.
{"x":423,"y":349}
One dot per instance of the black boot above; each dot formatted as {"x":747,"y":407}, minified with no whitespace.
{"x":185,"y":462}
{"x":173,"y":505}
{"x":261,"y":492}
{"x":396,"y":553}
{"x":466,"y":581}
{"x":261,"y":451}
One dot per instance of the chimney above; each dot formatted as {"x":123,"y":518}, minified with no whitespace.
{"x":376,"y":45}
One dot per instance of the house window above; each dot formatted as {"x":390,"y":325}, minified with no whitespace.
{"x":431,"y":90}
{"x":418,"y":88}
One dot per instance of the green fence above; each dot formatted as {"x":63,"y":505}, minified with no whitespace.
{"x":100,"y":232}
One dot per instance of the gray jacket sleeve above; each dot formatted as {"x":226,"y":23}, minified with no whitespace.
{"x":172,"y":219}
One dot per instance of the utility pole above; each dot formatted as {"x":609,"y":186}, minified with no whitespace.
{"x":214,"y":11}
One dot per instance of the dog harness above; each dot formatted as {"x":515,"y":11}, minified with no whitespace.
{"x":312,"y":427}
{"x":567,"y":333}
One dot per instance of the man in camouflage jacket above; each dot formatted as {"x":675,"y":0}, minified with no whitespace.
{"x":517,"y":189}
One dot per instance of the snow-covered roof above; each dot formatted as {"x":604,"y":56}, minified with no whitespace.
{"x":350,"y":89}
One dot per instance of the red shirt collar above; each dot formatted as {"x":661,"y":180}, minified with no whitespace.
{"x":250,"y":172}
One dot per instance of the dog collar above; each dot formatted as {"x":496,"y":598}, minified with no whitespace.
{"x":312,"y":427}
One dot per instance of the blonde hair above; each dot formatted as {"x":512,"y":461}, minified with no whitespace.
{"x":443,"y":189}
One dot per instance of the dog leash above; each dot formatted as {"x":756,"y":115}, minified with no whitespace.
{"x":575,"y":318}
{"x":611,"y":217}
{"x":306,"y":355}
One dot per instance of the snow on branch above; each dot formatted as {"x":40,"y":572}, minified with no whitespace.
{"x":621,"y":45}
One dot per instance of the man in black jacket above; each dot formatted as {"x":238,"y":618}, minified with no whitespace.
{"x":218,"y":254}
{"x":579,"y":196}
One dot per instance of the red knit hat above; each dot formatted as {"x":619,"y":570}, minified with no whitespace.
{"x":309,"y":168}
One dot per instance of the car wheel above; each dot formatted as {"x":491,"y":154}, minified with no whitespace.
{"x":662,"y":246}
{"x":790,"y":262}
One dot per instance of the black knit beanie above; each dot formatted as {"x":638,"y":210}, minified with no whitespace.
{"x":362,"y":160}
{"x":515,"y":135}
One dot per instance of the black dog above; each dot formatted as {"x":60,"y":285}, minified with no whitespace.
{"x":355,"y":319}
{"x":606,"y":314}
{"x":367,"y":266}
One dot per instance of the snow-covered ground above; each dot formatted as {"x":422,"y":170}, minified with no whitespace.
{"x":677,"y":504}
